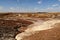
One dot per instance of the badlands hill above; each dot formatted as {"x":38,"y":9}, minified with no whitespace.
{"x":51,"y":34}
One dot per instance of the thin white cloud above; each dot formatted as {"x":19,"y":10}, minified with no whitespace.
{"x":1,"y":8}
{"x":39,"y":2}
{"x":18,"y":0}
{"x":58,"y":0}
{"x":54,"y":5}
{"x":14,"y":9}
{"x":49,"y":8}
{"x":52,"y":9}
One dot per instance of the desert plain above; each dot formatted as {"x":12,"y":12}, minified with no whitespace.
{"x":12,"y":24}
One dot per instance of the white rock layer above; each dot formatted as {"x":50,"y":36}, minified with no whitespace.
{"x":37,"y":26}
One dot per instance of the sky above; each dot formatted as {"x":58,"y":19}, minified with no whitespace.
{"x":29,"y":5}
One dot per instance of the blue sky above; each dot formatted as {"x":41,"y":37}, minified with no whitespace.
{"x":29,"y":5}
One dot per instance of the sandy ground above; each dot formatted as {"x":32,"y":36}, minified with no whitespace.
{"x":49,"y":30}
{"x":9,"y":28}
{"x":51,"y":34}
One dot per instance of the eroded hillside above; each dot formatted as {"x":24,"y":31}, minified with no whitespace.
{"x":12,"y":24}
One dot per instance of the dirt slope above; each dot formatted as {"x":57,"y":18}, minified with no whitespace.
{"x":52,"y":34}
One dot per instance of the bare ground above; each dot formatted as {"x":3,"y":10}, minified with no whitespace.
{"x":51,"y":34}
